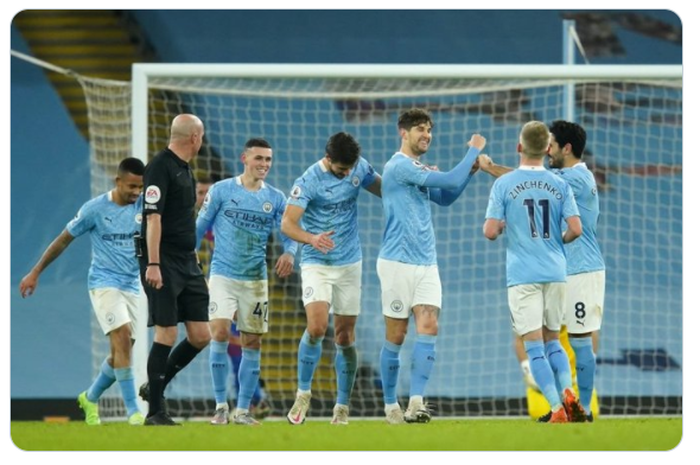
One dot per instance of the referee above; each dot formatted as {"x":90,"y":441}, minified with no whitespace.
{"x":170,"y":274}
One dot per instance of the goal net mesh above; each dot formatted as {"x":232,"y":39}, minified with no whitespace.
{"x":634,"y":148}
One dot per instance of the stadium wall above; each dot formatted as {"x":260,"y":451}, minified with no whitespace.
{"x":50,"y":173}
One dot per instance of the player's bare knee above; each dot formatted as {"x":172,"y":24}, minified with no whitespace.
{"x":396,"y":334}
{"x":426,"y":319}
{"x":428,"y":328}
{"x":121,"y":338}
{"x":166,"y":335}
{"x":549,"y":334}
{"x":220,"y":330}
{"x":198,"y":334}
{"x":251,"y":341}
{"x":200,"y":340}
{"x":317,"y":330}
{"x":345,"y":338}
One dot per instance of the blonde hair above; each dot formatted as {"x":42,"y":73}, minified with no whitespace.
{"x":534,"y":138}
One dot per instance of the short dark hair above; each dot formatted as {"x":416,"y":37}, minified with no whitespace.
{"x":414,"y":117}
{"x":256,"y":142}
{"x":204,"y":179}
{"x":343,"y":148}
{"x":566,"y":132}
{"x":131,"y":165}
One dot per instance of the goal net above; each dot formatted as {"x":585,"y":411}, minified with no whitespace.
{"x":633,"y":116}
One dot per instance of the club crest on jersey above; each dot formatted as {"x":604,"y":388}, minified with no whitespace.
{"x":137,"y":218}
{"x":152,"y":194}
{"x":212,"y":307}
{"x":267,"y":207}
{"x":418,"y":164}
{"x":396,"y":306}
{"x":296,"y":192}
{"x":355,"y":181}
{"x":308,"y":292}
{"x":110,"y":318}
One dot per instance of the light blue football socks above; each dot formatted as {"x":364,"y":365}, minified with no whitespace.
{"x":559,"y":361}
{"x":585,"y":369}
{"x":248,"y":377}
{"x":218,"y":365}
{"x":422,"y":363}
{"x":345,"y":370}
{"x":125,"y":378}
{"x":104,"y":380}
{"x":542,"y":372}
{"x":309,"y":354}
{"x":389,"y":364}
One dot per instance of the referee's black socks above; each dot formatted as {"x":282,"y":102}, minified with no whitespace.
{"x":156,"y":368}
{"x":180,"y":357}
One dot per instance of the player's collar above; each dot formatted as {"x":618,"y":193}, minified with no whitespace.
{"x":110,"y":197}
{"x":407,"y":156}
{"x":322,"y":166}
{"x":532,"y":168}
{"x":239,"y":181}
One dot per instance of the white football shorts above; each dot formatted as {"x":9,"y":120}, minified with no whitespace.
{"x":404,"y":286}
{"x":114,"y":308}
{"x":585,"y":293}
{"x":248,"y":300}
{"x":339,"y":286}
{"x":533,"y":306}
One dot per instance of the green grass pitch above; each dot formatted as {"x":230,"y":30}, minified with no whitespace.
{"x":606,"y":434}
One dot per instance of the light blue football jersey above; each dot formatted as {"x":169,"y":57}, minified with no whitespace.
{"x":408,"y":234}
{"x":242,"y":222}
{"x":533,"y":202}
{"x":111,"y":229}
{"x":330,"y":204}
{"x":583,"y":255}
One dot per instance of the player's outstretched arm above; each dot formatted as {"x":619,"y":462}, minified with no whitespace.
{"x":458,"y":177}
{"x":52,"y":252}
{"x":444,"y":194}
{"x":487,"y":165}
{"x":292,"y":229}
{"x":477,"y":141}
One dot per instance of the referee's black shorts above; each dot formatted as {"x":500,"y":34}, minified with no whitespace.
{"x":184,"y":295}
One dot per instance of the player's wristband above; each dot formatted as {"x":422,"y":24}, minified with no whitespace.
{"x":153,"y":264}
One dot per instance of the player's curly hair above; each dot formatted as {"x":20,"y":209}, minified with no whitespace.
{"x":566,"y":132}
{"x":343,"y":148}
{"x":414,"y":117}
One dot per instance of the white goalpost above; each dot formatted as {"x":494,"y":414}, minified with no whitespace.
{"x":633,"y":115}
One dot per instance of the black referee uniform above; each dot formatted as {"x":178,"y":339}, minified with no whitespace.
{"x":170,"y":191}
{"x":184,"y":296}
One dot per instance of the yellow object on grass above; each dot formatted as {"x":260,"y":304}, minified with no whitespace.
{"x":537,"y":405}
